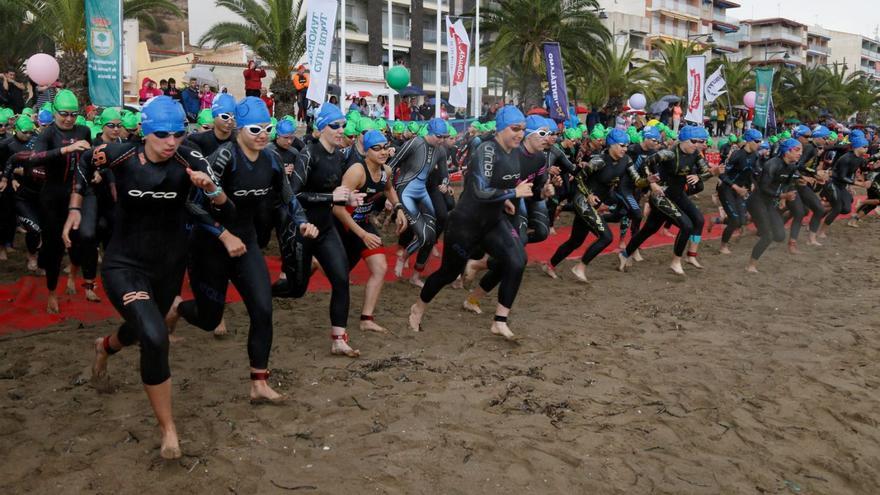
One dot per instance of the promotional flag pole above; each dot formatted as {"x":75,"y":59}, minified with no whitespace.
{"x":437,"y":103}
{"x":390,"y":61}
{"x":477,"y":89}
{"x":340,"y":62}
{"x":729,"y":107}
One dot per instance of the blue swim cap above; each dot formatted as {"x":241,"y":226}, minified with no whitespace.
{"x":764,"y":145}
{"x":329,"y":113}
{"x":285,"y":127}
{"x":858,"y":142}
{"x":535,"y":122}
{"x":44,"y":117}
{"x":508,"y":115}
{"x":651,"y":132}
{"x":251,"y":111}
{"x":617,"y":136}
{"x":162,"y":113}
{"x":820,"y":131}
{"x":788,"y":145}
{"x":687,"y":132}
{"x":372,"y":138}
{"x":856,"y":133}
{"x":437,"y":127}
{"x":752,"y":135}
{"x":551,"y":124}
{"x":223,"y":103}
{"x":801,"y":131}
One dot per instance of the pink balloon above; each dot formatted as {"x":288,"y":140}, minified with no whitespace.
{"x":749,"y":99}
{"x":42,"y":69}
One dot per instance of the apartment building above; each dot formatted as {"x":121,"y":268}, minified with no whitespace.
{"x":818,"y":49}
{"x":856,"y":51}
{"x":773,"y":41}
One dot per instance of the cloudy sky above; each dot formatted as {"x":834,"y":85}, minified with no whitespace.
{"x":855,"y":16}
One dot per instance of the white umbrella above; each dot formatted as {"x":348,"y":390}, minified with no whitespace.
{"x":203,"y":75}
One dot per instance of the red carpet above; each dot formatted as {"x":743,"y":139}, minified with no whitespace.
{"x":24,"y":302}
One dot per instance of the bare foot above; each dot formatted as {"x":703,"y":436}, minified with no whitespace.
{"x":221,"y":331}
{"x":415,"y":318}
{"x":3,"y":255}
{"x":399,"y":265}
{"x":578,"y":272}
{"x":792,"y":248}
{"x":170,"y":449}
{"x":552,"y":231}
{"x":458,"y":283}
{"x":32,"y":264}
{"x":676,"y":268}
{"x":637,"y":255}
{"x":853,"y":223}
{"x":470,"y":271}
{"x":71,"y":286}
{"x":823,"y":235}
{"x":262,"y":393}
{"x":472,"y":305}
{"x":435,"y":252}
{"x":548,"y":269}
{"x":372,"y":326}
{"x":340,"y":347}
{"x":52,"y":304}
{"x":92,"y":296}
{"x":624,"y":262}
{"x":751,"y":269}
{"x":725,"y":250}
{"x":693,"y":261}
{"x":99,"y":367}
{"x":667,"y":233}
{"x":501,"y":328}
{"x":416,"y":280}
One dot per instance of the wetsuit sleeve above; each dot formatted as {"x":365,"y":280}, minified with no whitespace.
{"x":558,"y":158}
{"x":845,"y":168}
{"x":595,"y":164}
{"x":285,"y":191}
{"x":300,"y":178}
{"x":401,"y":154}
{"x":204,"y":213}
{"x":652,"y":163}
{"x":484,"y":192}
{"x":41,"y":153}
{"x":701,"y":168}
{"x":735,"y":165}
{"x":443,"y":166}
{"x":765,"y":181}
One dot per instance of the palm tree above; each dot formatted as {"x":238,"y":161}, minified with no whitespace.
{"x":516,"y":30}
{"x":16,"y":49}
{"x":64,"y":21}
{"x":805,"y":91}
{"x":275,"y":31}
{"x":670,"y":71}
{"x":614,"y":75}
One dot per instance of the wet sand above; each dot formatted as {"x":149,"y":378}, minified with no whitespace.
{"x":717,"y":383}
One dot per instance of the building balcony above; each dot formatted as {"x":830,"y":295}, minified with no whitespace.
{"x":766,"y":35}
{"x":824,"y":50}
{"x":724,"y":42}
{"x":430,"y":35}
{"x":871,"y":55}
{"x":676,"y":7}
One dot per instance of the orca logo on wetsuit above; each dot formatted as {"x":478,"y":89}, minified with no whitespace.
{"x":512,"y":177}
{"x":252,"y":192}
{"x":135,"y":193}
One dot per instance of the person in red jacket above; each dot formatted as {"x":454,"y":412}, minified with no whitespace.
{"x":268,"y":100}
{"x":402,"y":111}
{"x":253,"y":79}
{"x":148,"y":90}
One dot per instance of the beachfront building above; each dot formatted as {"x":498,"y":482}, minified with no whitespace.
{"x":856,"y":51}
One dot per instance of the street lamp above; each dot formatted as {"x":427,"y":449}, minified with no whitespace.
{"x":769,"y":55}
{"x":600,"y":13}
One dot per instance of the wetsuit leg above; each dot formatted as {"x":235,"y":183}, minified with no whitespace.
{"x":664,"y":211}
{"x":812,"y":201}
{"x":250,"y":276}
{"x":28,"y":216}
{"x":209,"y":272}
{"x":579,"y":231}
{"x":143,"y":300}
{"x":539,"y":221}
{"x":798,"y":212}
{"x":332,"y":257}
{"x":501,"y":244}
{"x":7,"y":216}
{"x":873,"y":194}
{"x":53,"y":212}
{"x":768,"y":220}
{"x":462,"y":240}
{"x":441,"y":216}
{"x":690,"y":210}
{"x":84,"y":252}
{"x":841,"y":204}
{"x":735,"y":210}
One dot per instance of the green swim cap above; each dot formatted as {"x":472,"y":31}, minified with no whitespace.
{"x":452,"y":132}
{"x":423,"y":131}
{"x":380,"y":124}
{"x":350,"y":129}
{"x":489,"y":126}
{"x":46,"y":106}
{"x":108,"y":115}
{"x":709,"y":142}
{"x":598,"y":133}
{"x":65,"y":101}
{"x":413,"y":127}
{"x":24,"y":124}
{"x":131,"y":120}
{"x":398,"y":127}
{"x":732,"y":138}
{"x":670,"y":134}
{"x":27,"y":111}
{"x":290,"y":118}
{"x":80,"y":120}
{"x":94,"y":129}
{"x":571,"y":133}
{"x":6,"y":114}
{"x":786,"y":135}
{"x":274,"y":122}
{"x":205,"y":117}
{"x":833,"y":136}
{"x":364,"y":125}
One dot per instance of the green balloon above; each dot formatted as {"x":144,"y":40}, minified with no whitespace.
{"x":397,"y":77}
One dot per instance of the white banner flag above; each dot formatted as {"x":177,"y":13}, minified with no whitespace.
{"x":320,"y":22}
{"x":459,"y":46}
{"x":696,"y":77}
{"x":715,"y":86}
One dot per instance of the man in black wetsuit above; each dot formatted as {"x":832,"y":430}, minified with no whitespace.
{"x":776,"y":183}
{"x":145,"y":260}
{"x":812,"y":142}
{"x":735,"y":185}
{"x":58,"y":149}
{"x":478,"y":220}
{"x":207,"y":142}
{"x":843,"y":178}
{"x":246,"y":172}
{"x":21,"y":186}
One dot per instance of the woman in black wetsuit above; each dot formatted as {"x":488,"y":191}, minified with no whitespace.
{"x":479,"y":221}
{"x":145,"y":260}
{"x":843,"y":174}
{"x":316,"y":182}
{"x":248,"y":173}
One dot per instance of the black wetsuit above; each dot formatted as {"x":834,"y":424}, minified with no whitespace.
{"x":738,"y":171}
{"x":267,"y":217}
{"x":478,"y":222}
{"x":55,"y":193}
{"x":206,"y":142}
{"x":145,"y":260}
{"x":627,"y":208}
{"x":806,"y":195}
{"x":249,"y":184}
{"x":842,"y":177}
{"x":317,"y":173}
{"x":21,"y":207}
{"x":673,"y":167}
{"x":775,"y":178}
{"x":600,"y":178}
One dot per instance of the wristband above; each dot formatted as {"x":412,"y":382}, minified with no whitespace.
{"x":214,"y":194}
{"x":397,"y":207}
{"x":74,"y":208}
